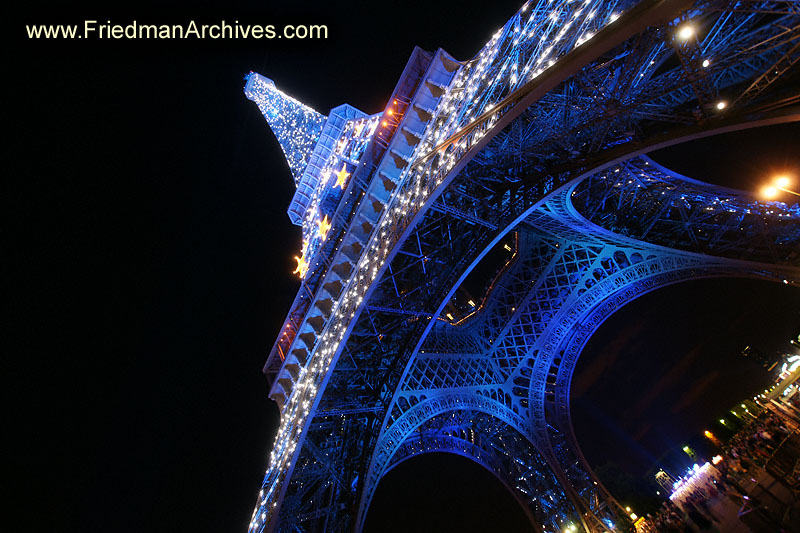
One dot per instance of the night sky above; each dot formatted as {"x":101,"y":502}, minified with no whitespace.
{"x":148,"y":270}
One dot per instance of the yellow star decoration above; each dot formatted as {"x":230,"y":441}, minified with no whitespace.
{"x":302,"y":266}
{"x":324,"y":227}
{"x":341,"y":177}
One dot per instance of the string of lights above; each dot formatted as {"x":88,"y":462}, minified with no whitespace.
{"x":296,"y":125}
{"x":477,"y":99}
{"x":542,"y":36}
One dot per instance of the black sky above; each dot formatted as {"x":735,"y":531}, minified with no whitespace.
{"x":149,"y":257}
{"x":641,"y":390}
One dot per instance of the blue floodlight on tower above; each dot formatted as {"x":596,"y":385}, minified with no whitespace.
{"x":322,"y":152}
{"x":296,"y":125}
{"x":539,"y":137}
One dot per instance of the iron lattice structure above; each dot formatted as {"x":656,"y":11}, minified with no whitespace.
{"x":528,"y":157}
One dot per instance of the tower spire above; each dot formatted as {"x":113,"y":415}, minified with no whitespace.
{"x":296,"y":125}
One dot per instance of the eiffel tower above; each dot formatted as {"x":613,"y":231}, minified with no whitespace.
{"x":461,"y":246}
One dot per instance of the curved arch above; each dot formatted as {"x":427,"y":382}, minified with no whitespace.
{"x":500,"y":448}
{"x":739,"y":124}
{"x":573,"y":348}
{"x":659,"y":266}
{"x":587,"y":309}
{"x":393,"y":437}
{"x":604,"y":160}
{"x":572,"y":345}
{"x":365,"y":277}
{"x":642,"y":201}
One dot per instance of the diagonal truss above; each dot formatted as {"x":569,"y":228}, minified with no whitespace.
{"x":561,"y":96}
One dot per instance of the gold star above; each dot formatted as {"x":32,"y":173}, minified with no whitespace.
{"x":341,"y":177}
{"x":302,"y":266}
{"x":324,"y":227}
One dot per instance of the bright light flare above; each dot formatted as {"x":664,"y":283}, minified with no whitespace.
{"x":685,"y":32}
{"x":721,"y":105}
{"x":769,"y":192}
{"x":782,"y":181}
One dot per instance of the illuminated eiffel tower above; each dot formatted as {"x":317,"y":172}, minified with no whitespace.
{"x":461,"y":246}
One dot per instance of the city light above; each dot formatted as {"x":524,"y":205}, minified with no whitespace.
{"x":713,"y":438}
{"x":686,"y":483}
{"x":779,"y":183}
{"x":685,"y":32}
{"x":721,"y":105}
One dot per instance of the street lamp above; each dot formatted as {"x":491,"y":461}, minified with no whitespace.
{"x":685,"y":32}
{"x":780,"y":183}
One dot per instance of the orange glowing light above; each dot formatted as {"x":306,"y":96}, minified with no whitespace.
{"x":324,"y":226}
{"x":770,"y":192}
{"x":341,"y":177}
{"x":302,"y":266}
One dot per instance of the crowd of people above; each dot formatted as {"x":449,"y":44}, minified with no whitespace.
{"x":692,"y":507}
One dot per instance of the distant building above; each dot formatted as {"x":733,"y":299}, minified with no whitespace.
{"x":756,"y":355}
{"x":667,"y":481}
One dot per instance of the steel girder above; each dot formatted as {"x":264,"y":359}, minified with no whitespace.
{"x":523,"y":346}
{"x":502,"y":450}
{"x":489,"y":168}
{"x":536,"y":322}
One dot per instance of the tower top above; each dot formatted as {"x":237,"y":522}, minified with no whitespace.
{"x":296,"y":125}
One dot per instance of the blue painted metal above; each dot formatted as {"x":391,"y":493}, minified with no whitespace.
{"x":296,"y":125}
{"x":536,"y":136}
